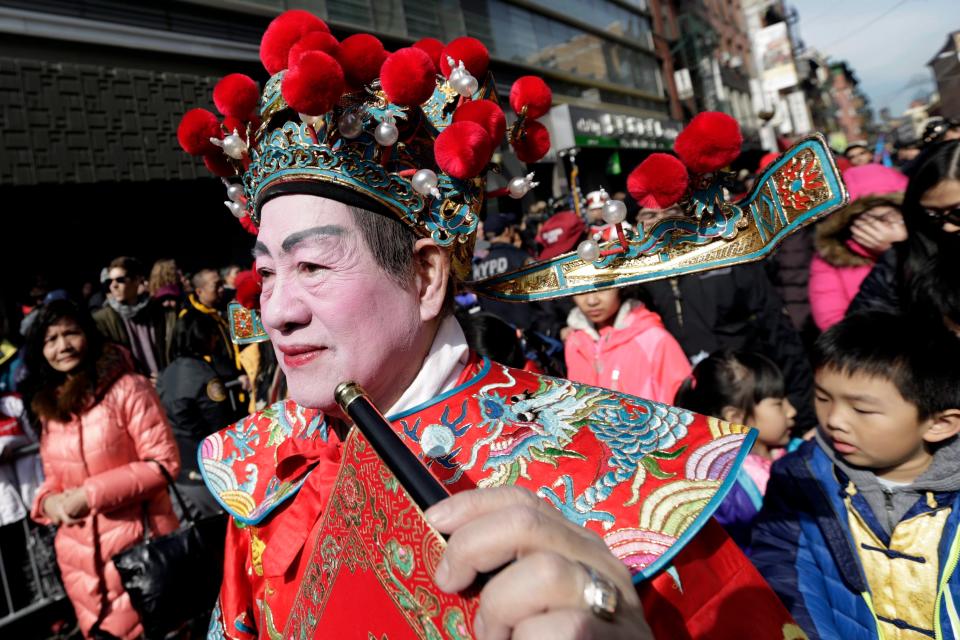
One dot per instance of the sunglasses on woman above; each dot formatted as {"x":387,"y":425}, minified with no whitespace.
{"x":949,"y":214}
{"x":118,"y":280}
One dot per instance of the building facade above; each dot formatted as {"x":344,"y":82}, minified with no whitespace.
{"x":946,"y":71}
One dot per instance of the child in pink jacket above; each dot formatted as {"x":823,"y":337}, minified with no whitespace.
{"x":622,"y":345}
{"x":850,"y":241}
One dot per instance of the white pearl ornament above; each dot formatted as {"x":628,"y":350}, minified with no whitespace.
{"x":234,"y":146}
{"x":236,"y":208}
{"x":520,"y":186}
{"x":589,"y":250}
{"x":425,"y":183}
{"x":235,"y":193}
{"x":614,"y":212}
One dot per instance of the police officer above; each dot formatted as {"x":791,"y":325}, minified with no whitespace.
{"x":503,"y":254}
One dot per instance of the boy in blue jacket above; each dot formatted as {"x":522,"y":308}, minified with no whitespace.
{"x":859,"y":530}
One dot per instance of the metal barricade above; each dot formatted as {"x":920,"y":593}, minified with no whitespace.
{"x":40,"y":567}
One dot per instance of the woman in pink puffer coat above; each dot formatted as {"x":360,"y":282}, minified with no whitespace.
{"x":101,"y":424}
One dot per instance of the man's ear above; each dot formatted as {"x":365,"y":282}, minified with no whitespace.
{"x":432,"y":272}
{"x":733,"y":414}
{"x":942,"y":426}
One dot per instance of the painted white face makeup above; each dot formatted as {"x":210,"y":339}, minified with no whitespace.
{"x":331,"y":312}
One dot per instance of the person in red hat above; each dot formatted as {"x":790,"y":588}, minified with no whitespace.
{"x":560,"y":234}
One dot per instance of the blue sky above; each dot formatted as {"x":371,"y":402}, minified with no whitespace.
{"x":887,"y":52}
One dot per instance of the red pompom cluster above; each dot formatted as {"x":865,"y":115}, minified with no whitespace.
{"x":532,"y":143}
{"x":471,"y":51}
{"x":487,"y":114}
{"x":249,"y":226}
{"x":658,"y":182}
{"x":314,"y":85}
{"x":196,"y":128}
{"x":710,"y":142}
{"x":218,"y":164}
{"x":408,"y":77}
{"x":433,"y":48}
{"x":463,"y":150}
{"x":532,"y":93}
{"x":236,"y":95}
{"x":284,"y":32}
{"x":313,"y":41}
{"x":361,"y":56}
{"x":248,"y":285}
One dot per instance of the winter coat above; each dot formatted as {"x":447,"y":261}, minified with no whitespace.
{"x":226,"y":356}
{"x":840,"y":264}
{"x":19,"y":477}
{"x":636,"y":355}
{"x":739,"y":509}
{"x":736,"y":308}
{"x":844,"y":572}
{"x":104,"y":447}
{"x":197,"y":404}
{"x":158,"y":318}
{"x":880,"y":290}
{"x":501,"y":258}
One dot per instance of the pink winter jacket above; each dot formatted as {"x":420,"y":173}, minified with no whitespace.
{"x":832,"y":289}
{"x":104,"y":450}
{"x":636,"y":355}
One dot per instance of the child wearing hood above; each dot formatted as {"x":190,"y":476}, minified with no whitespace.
{"x":619,"y":344}
{"x":859,"y":533}
{"x":849,"y":242}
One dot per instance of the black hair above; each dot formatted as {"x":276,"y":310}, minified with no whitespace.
{"x":490,"y":336}
{"x":193,"y":336}
{"x":928,"y":261}
{"x":739,"y":379}
{"x":40,"y":375}
{"x":921,"y":359}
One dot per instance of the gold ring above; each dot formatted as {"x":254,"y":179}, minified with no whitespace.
{"x":600,"y":594}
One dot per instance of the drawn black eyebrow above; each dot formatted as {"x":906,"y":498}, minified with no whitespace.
{"x":260,"y":249}
{"x":296,"y":238}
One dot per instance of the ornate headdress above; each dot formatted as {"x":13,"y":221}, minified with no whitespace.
{"x":409,"y":133}
{"x":412,"y":134}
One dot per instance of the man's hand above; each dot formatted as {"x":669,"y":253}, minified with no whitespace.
{"x":540,"y":591}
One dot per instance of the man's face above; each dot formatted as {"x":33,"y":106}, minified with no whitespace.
{"x":332,"y":313}
{"x":123,"y":288}
{"x":867,"y":421}
{"x":212,"y":290}
{"x":859,"y":156}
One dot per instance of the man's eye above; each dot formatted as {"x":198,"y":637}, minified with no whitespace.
{"x":310,"y":268}
{"x":264,"y":273}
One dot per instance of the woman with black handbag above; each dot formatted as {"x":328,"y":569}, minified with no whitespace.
{"x":104,"y":433}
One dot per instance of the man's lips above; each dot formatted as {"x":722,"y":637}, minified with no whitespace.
{"x":300,"y":355}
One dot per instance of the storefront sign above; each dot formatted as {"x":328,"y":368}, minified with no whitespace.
{"x":593,"y":128}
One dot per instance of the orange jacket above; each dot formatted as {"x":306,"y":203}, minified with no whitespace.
{"x":104,"y":450}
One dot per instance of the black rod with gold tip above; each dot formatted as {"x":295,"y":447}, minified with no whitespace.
{"x":424,"y":489}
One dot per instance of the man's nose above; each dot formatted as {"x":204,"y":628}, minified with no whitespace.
{"x":285,"y":309}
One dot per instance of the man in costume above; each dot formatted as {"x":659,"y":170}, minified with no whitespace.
{"x":362,"y":176}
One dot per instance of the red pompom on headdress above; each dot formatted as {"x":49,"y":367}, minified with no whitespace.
{"x":248,"y":285}
{"x":533,"y":143}
{"x":471,"y":51}
{"x":249,"y":225}
{"x":533,"y":93}
{"x":314,"y":85}
{"x":218,"y":164}
{"x":710,"y":142}
{"x":408,"y":77}
{"x":361,"y":56}
{"x":463,"y":150}
{"x":313,"y":41}
{"x":282,"y":33}
{"x":236,"y":95}
{"x":433,"y":47}
{"x":196,"y":128}
{"x":658,"y":182}
{"x":487,"y":114}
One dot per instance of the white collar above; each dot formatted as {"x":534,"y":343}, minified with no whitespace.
{"x":440,"y":369}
